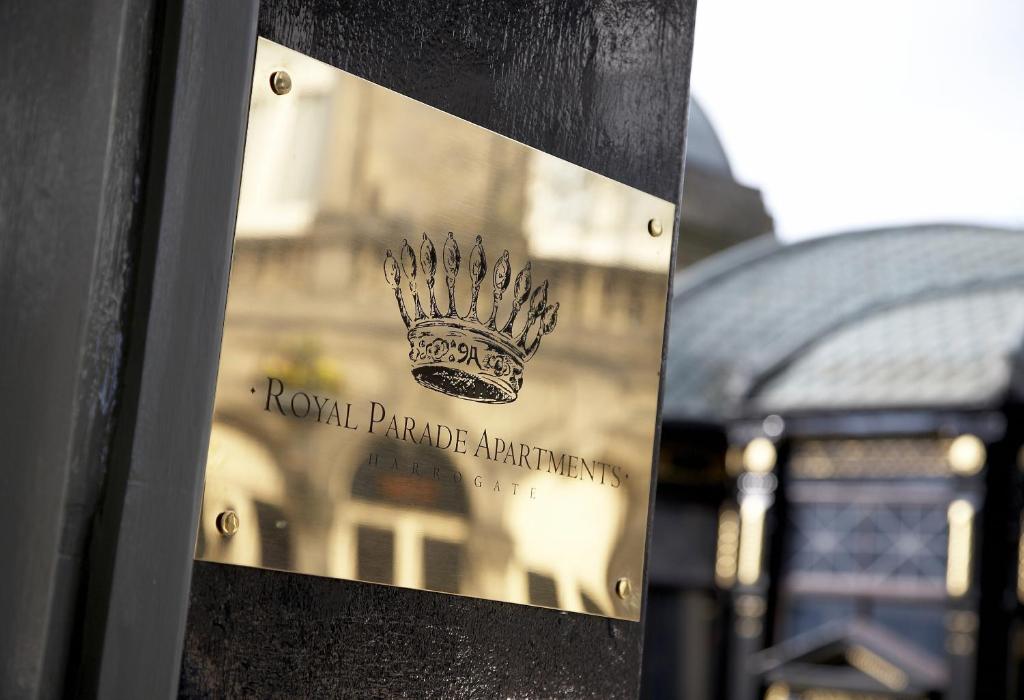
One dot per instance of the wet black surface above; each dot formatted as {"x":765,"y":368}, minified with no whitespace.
{"x":602,"y":85}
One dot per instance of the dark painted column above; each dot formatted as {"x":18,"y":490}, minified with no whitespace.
{"x":72,"y":153}
{"x":120,"y":152}
{"x":145,"y":530}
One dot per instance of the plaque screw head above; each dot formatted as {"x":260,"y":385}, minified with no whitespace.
{"x":227,"y":523}
{"x":623,"y":588}
{"x":280,"y":82}
{"x":654,"y":228}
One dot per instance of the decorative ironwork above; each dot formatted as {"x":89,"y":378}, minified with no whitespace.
{"x":877,"y":458}
{"x":867,"y":544}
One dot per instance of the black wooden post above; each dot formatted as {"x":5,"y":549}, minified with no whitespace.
{"x":604,"y":86}
{"x":120,"y":150}
{"x":73,"y":139}
{"x":121,"y":135}
{"x":146,"y":528}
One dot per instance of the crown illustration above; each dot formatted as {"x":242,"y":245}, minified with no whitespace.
{"x":463,"y":355}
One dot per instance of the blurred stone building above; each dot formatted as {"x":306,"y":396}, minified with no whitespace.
{"x":718,"y":211}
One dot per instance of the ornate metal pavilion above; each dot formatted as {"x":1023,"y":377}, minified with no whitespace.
{"x":843,"y":417}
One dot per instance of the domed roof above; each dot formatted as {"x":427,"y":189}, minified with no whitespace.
{"x":703,"y":148}
{"x":924,"y":316}
{"x":954,"y":349}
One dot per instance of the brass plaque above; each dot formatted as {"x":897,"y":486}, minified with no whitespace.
{"x":441,"y":354}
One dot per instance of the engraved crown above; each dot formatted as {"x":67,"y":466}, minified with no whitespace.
{"x":464,"y":355}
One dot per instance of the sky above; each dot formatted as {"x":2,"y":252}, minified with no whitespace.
{"x":852,"y":114}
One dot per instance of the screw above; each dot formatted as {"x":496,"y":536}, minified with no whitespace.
{"x":654,"y":228}
{"x":623,"y":588}
{"x":227,"y":523}
{"x":280,"y":82}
